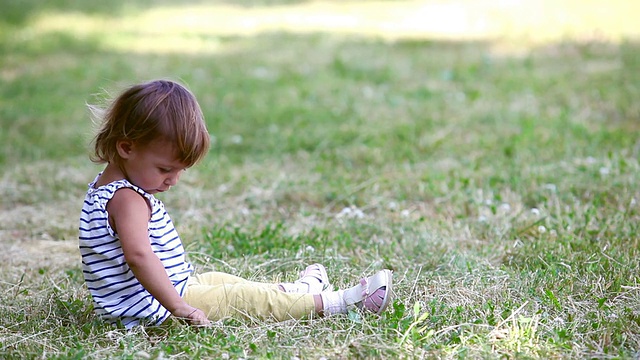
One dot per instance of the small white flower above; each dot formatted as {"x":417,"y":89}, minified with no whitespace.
{"x":350,"y":212}
{"x":236,"y":139}
{"x":405,"y":213}
{"x":542,"y":229}
{"x":393,"y":205}
{"x":504,"y":207}
{"x":310,"y":248}
{"x":535,"y":212}
{"x":460,"y":96}
{"x":604,"y":171}
{"x":344,"y":212}
{"x":262,"y":73}
{"x":368,"y":92}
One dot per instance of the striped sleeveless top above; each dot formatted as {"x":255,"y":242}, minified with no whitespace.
{"x":117,"y":295}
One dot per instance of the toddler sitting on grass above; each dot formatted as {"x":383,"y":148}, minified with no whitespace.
{"x":133,"y":260}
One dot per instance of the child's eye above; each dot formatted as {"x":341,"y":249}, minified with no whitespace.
{"x":165,"y":170}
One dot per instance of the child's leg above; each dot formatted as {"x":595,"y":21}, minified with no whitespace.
{"x":222,"y":295}
{"x":245,"y":299}
{"x":219,"y":278}
{"x":313,"y":280}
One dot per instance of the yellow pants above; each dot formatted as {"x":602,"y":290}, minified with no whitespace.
{"x":222,"y":295}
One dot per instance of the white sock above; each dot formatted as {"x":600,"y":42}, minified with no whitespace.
{"x":333,"y":302}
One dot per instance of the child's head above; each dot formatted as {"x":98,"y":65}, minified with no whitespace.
{"x":159,"y":111}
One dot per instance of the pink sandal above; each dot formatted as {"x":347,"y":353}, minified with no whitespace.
{"x":372,"y":294}
{"x":315,"y":276}
{"x":313,"y":280}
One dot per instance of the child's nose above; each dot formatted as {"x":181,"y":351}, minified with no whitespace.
{"x":171,"y":180}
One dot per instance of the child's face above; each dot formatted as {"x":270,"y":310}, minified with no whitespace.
{"x":152,"y":167}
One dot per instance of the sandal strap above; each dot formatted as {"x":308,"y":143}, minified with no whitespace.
{"x":365,"y":287}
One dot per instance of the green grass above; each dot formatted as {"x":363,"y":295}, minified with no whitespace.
{"x":501,"y":187}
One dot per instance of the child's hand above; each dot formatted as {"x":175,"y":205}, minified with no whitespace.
{"x":193,"y":315}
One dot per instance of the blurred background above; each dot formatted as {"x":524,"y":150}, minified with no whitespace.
{"x":98,"y":45}
{"x":191,"y":26}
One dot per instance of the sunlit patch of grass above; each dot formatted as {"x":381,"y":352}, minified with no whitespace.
{"x":197,"y":28}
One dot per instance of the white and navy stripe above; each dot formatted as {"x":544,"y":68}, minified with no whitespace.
{"x":117,"y":295}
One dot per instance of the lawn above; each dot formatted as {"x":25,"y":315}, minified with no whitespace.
{"x":489,"y":156}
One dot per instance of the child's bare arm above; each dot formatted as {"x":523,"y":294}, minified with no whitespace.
{"x":129,"y":216}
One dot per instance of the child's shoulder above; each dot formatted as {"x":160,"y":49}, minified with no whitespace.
{"x":112,"y":186}
{"x":107,"y":190}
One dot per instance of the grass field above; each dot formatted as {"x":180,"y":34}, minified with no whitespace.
{"x":489,"y":157}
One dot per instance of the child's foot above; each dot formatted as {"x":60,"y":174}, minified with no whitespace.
{"x":313,"y":280}
{"x":372,"y":294}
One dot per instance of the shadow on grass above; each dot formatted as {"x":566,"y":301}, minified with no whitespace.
{"x":16,"y":12}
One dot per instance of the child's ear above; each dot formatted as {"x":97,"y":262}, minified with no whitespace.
{"x":124,"y":148}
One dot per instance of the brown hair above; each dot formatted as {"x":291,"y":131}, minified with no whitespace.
{"x":159,"y":110}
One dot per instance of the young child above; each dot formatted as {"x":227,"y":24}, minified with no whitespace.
{"x":133,"y":260}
